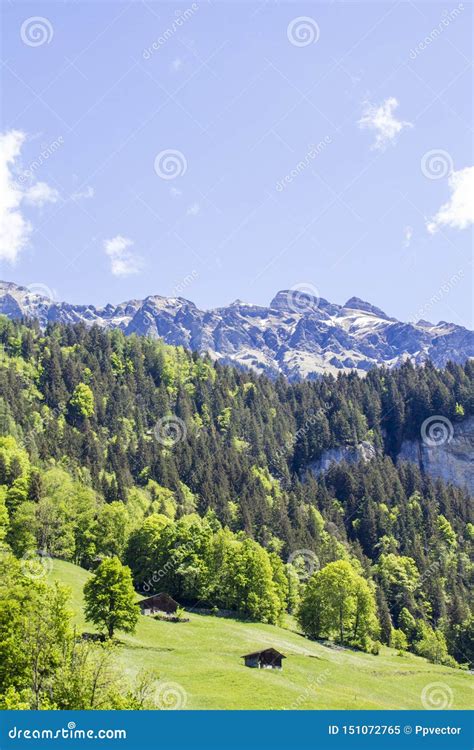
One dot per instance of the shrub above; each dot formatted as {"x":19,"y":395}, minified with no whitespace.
{"x":399,"y":640}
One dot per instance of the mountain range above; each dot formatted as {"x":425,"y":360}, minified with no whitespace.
{"x":297,"y":335}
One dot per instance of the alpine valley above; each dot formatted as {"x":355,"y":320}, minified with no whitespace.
{"x":327,"y":519}
{"x":297,"y":335}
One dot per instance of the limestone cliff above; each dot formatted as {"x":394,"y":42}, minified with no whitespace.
{"x":365,"y":451}
{"x":452,"y":460}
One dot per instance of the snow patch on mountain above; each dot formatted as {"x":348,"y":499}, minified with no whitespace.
{"x":320,"y":337}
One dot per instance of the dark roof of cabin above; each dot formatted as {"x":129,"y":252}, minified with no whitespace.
{"x":155,"y":596}
{"x":264,"y":651}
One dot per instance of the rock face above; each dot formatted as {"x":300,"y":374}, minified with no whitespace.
{"x":297,"y":335}
{"x":365,"y":451}
{"x":452,"y":460}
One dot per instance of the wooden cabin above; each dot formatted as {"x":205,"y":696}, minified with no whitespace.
{"x":269,"y":658}
{"x":158,"y":603}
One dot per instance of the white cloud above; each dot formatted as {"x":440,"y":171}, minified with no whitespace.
{"x":407,"y":235}
{"x":458,"y":212}
{"x":41,"y":193}
{"x":15,"y":229}
{"x":123,"y":261}
{"x":88,"y":192}
{"x":381,"y":119}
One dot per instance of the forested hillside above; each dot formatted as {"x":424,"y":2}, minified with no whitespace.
{"x":123,"y":446}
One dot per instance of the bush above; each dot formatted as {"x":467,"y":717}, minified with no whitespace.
{"x":368,"y":645}
{"x":432,"y":645}
{"x":399,"y":640}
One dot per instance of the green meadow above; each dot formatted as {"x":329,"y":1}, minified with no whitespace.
{"x":202,"y":658}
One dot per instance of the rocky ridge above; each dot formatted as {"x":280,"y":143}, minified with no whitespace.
{"x":297,"y":335}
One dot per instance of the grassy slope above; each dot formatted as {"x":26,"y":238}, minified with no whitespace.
{"x":203,"y":657}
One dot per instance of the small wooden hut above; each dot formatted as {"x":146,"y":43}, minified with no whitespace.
{"x":161,"y":602}
{"x":269,"y":658}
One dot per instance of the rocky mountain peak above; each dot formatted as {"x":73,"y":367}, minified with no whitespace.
{"x":299,"y":334}
{"x":355,"y":303}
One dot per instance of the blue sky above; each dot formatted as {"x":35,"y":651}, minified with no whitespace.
{"x":219,"y":150}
